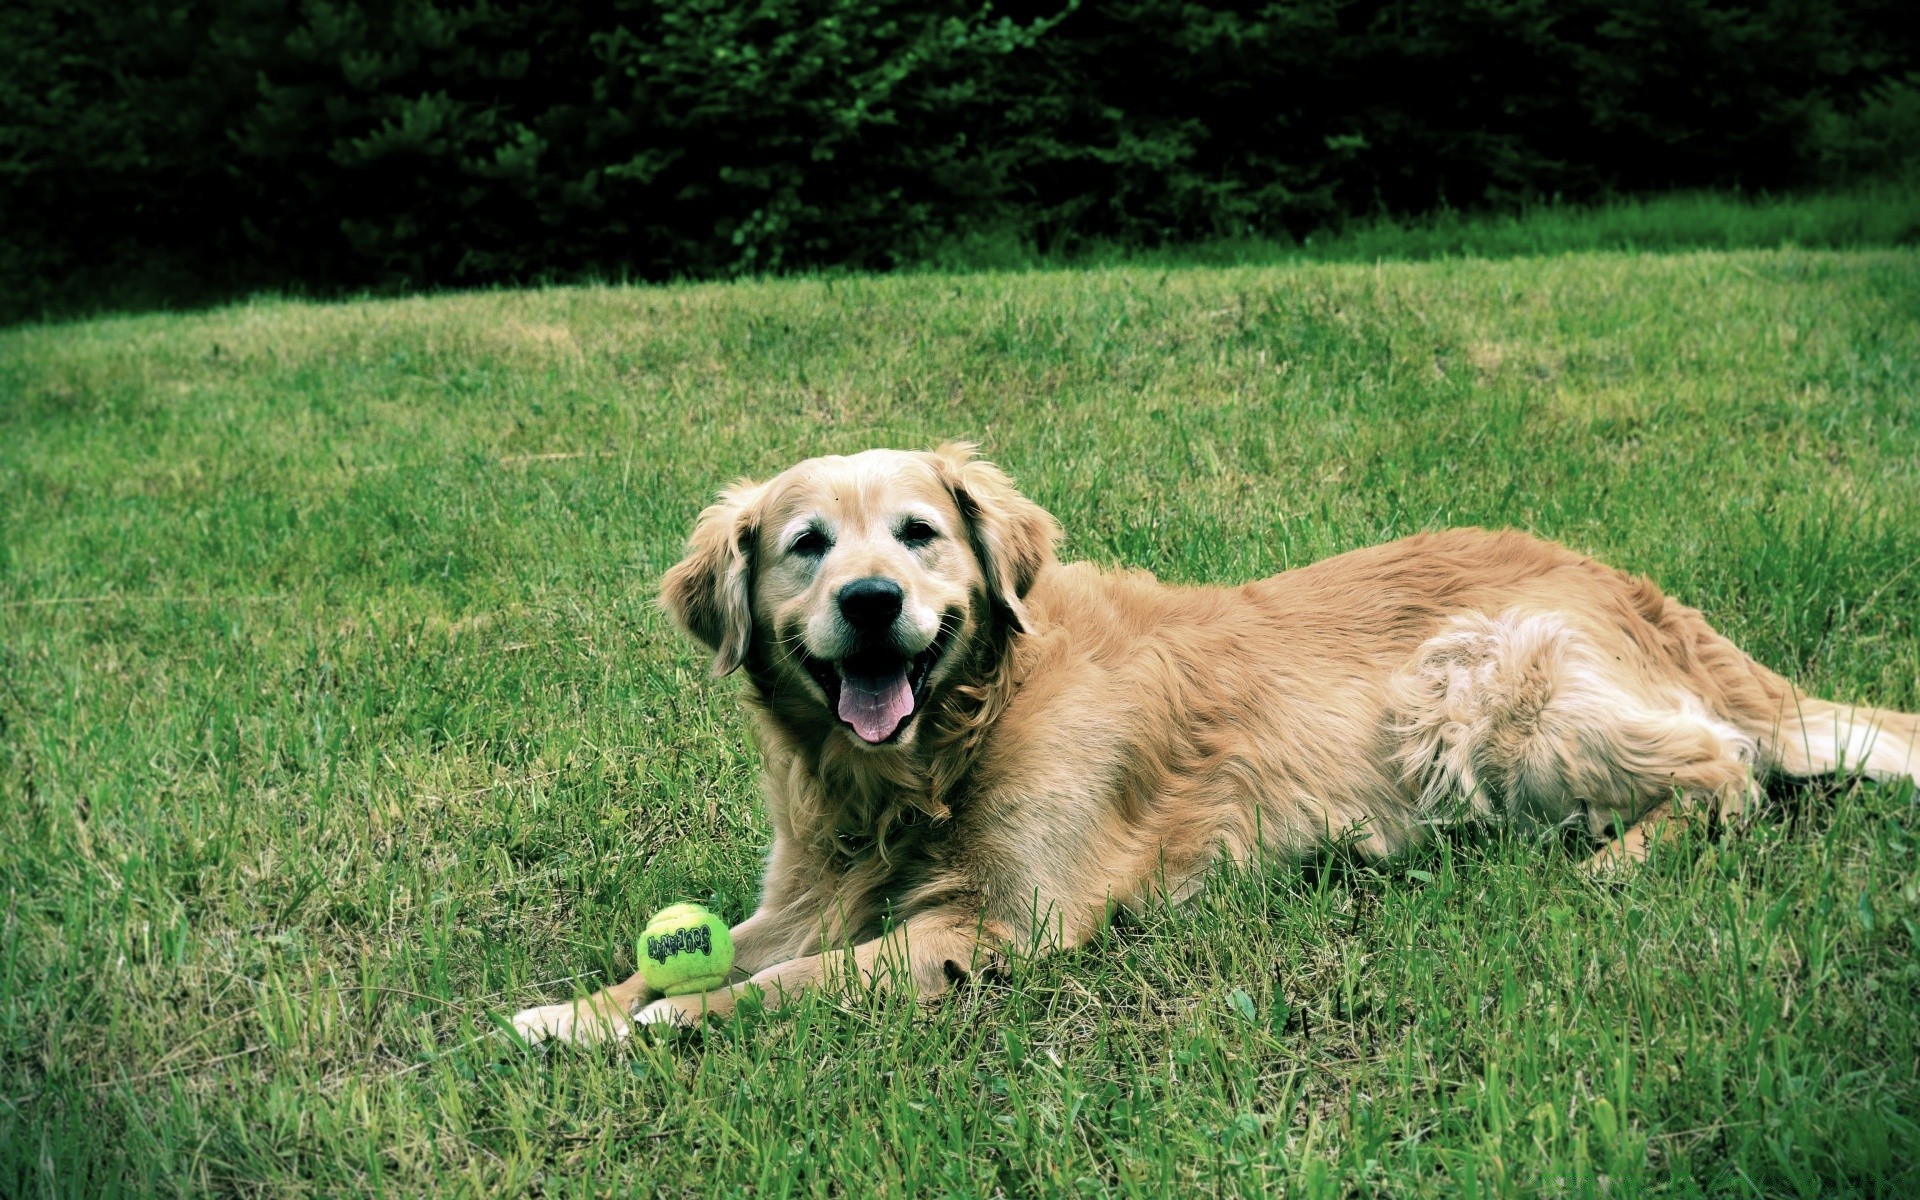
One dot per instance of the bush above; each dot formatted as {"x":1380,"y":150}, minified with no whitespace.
{"x":415,"y":142}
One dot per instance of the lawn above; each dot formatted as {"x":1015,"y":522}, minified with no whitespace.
{"x":337,"y":720}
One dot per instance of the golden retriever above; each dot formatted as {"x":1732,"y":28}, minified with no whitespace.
{"x":970,"y":746}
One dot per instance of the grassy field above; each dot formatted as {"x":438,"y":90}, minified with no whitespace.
{"x":336,"y":720}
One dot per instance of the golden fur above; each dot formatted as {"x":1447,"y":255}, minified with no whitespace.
{"x":1092,"y":738}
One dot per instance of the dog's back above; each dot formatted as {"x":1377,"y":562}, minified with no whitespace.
{"x":1456,"y":675}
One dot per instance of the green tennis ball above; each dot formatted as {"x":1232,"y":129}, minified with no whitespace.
{"x":685,"y":949}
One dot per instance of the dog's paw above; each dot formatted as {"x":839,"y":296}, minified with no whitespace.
{"x":576,"y":1022}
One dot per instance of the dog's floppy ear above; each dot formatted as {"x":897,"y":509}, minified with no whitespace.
{"x":1012,"y":536}
{"x":709,"y":592}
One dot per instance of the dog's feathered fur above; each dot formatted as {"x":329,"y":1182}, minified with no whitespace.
{"x":1092,"y":738}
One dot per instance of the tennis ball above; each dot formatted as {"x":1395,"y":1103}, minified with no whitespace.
{"x":685,"y":949}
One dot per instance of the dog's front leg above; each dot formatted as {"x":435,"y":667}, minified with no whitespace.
{"x":606,"y":1015}
{"x":921,"y":957}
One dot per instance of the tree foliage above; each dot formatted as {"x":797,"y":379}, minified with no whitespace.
{"x":460,"y":141}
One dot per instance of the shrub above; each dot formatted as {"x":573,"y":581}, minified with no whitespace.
{"x":414,"y":142}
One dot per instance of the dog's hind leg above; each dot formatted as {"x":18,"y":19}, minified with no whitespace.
{"x":1656,"y":825}
{"x":1798,"y":735}
{"x":1668,"y":820}
{"x":1819,"y":737}
{"x":1704,"y":766}
{"x":1525,"y":717}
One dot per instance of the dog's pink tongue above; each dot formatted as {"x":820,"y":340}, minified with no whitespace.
{"x":875,"y":704}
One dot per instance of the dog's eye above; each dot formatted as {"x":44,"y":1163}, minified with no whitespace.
{"x":812,"y":544}
{"x":917,"y":533}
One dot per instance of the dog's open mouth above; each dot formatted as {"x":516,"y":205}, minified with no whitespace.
{"x":878,"y":692}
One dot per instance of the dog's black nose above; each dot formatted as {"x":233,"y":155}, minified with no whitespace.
{"x":871,"y":604}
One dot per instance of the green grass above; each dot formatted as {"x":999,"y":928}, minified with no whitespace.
{"x":338,"y":720}
{"x":1882,"y":213}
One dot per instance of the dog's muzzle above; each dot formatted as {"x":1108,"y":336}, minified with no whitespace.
{"x":877,"y":689}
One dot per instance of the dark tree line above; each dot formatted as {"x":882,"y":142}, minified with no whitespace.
{"x":458,"y":141}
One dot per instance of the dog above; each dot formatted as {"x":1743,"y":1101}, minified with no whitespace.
{"x":970,"y":746}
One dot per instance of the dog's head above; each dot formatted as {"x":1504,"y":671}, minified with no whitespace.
{"x":861,"y":585}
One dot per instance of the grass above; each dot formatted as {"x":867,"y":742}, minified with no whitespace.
{"x":1879,"y":213}
{"x":338,"y":720}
